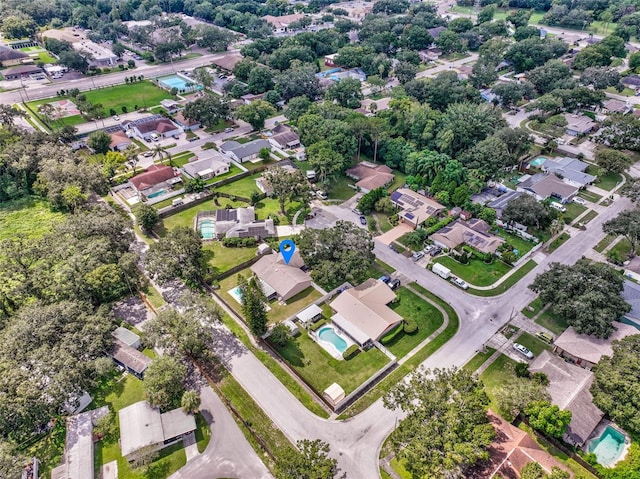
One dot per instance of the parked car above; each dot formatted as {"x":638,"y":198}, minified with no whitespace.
{"x":417,"y":255}
{"x":393,"y":248}
{"x":357,"y":211}
{"x":116,"y":117}
{"x":460,"y":283}
{"x":384,"y":279}
{"x":580,"y":201}
{"x":228,"y":130}
{"x":546,"y":337}
{"x":147,"y":154}
{"x":435,"y":251}
{"x":522,"y":350}
{"x":363,"y":220}
{"x":394,"y":283}
{"x":322,"y":195}
{"x":428,"y":248}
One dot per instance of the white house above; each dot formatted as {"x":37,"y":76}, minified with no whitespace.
{"x":244,"y":152}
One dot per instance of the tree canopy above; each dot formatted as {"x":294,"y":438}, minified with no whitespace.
{"x":586,"y":295}
{"x":450,"y":408}
{"x":310,"y":461}
{"x":177,"y":255}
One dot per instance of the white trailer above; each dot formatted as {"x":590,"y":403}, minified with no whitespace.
{"x":441,"y":271}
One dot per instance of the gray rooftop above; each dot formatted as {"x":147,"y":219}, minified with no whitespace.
{"x":631,"y":294}
{"x":213,"y":162}
{"x":126,"y":336}
{"x":247,"y":149}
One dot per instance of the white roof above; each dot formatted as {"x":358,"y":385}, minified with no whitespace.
{"x":334,"y":392}
{"x":309,"y":313}
{"x":140,"y":426}
{"x":351,"y":329}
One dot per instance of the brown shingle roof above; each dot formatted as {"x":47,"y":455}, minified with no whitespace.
{"x":154,"y":175}
{"x":7,"y":54}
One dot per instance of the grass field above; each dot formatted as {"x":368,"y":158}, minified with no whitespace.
{"x":28,"y":216}
{"x":321,"y":370}
{"x":559,"y":241}
{"x":533,"y":344}
{"x":588,"y":217}
{"x":500,"y":371}
{"x":478,"y":360}
{"x":476,"y":272}
{"x":243,"y":187}
{"x":522,"y":245}
{"x":340,"y":189}
{"x":608,"y":182}
{"x":535,"y":305}
{"x":573,"y":211}
{"x":604,"y":242}
{"x":142,"y":94}
{"x":507,"y":283}
{"x":552,"y":322}
{"x":222,"y":258}
{"x":590,"y":196}
{"x":428,"y":318}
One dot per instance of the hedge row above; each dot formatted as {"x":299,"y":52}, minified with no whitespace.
{"x":318,"y":325}
{"x":351,"y":351}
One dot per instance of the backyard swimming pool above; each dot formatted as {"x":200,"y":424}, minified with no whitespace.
{"x":608,"y":447}
{"x":538,"y":161}
{"x":156,"y":193}
{"x":178,"y":82}
{"x":332,"y":341}
{"x":207,"y":229}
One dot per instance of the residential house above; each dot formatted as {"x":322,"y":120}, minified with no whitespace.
{"x":585,"y":350}
{"x":631,"y":81}
{"x":250,"y":97}
{"x":430,"y":54}
{"x":328,"y":77}
{"x":10,"y":57}
{"x":464,"y":72}
{"x":356,"y":10}
{"x":284,"y":137}
{"x":185,"y":124}
{"x":612,"y":106}
{"x":501,"y":202}
{"x":435,"y":32}
{"x":570,"y":170}
{"x":370,"y":176}
{"x":263,"y":184}
{"x":155,"y":179}
{"x":130,"y":358}
{"x":244,"y":152}
{"x":170,"y":106}
{"x":631,"y":294}
{"x":227,"y":61}
{"x":242,"y":223}
{"x":280,"y":279}
{"x":155,"y":126}
{"x":22,"y":71}
{"x":415,"y":208}
{"x":511,"y":450}
{"x":569,"y":388}
{"x":95,"y":55}
{"x":119,"y":141}
{"x":474,"y":233}
{"x":281,"y":24}
{"x":207,"y":168}
{"x":127,"y":336}
{"x":578,"y":125}
{"x":78,"y":457}
{"x":371,"y":107}
{"x":330,"y":60}
{"x":142,"y":426}
{"x":363,"y":312}
{"x":544,"y":186}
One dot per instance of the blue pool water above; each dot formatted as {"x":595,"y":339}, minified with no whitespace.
{"x":538,"y":161}
{"x":608,"y":446}
{"x":156,"y":193}
{"x":328,"y":334}
{"x":176,"y":81}
{"x":207,"y":229}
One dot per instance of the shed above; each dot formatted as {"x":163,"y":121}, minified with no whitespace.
{"x":264,"y":248}
{"x":293,"y":329}
{"x":334,"y":394}
{"x":309,"y":315}
{"x":127,"y":337}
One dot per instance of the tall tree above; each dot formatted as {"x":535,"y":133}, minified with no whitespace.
{"x":147,"y":217}
{"x":528,"y":211}
{"x":450,"y":408}
{"x":256,"y":112}
{"x":253,"y":305}
{"x":586,"y":295}
{"x":346,"y":93}
{"x":8,"y":114}
{"x":547,"y":418}
{"x":177,"y":255}
{"x":164,"y":382}
{"x":287,"y":185}
{"x":627,"y":223}
{"x":208,"y":110}
{"x":190,"y":401}
{"x":612,"y":161}
{"x":99,"y":141}
{"x":310,"y":461}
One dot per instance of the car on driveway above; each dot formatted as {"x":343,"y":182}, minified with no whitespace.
{"x":417,"y":255}
{"x":522,"y":350}
{"x":435,"y":251}
{"x":580,"y":201}
{"x":394,"y":283}
{"x":385,"y":279}
{"x":546,"y":337}
{"x":363,"y":220}
{"x":147,"y":154}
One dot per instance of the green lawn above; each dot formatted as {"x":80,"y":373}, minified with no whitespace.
{"x":203,"y":433}
{"x":243,"y":187}
{"x":142,"y":94}
{"x":28,"y":216}
{"x":552,"y":322}
{"x":590,"y":196}
{"x":573,"y":211}
{"x":186,"y":217}
{"x":559,"y":241}
{"x":522,"y":245}
{"x":428,"y":318}
{"x":588,"y":217}
{"x":500,"y":371}
{"x":478,"y":360}
{"x":233,"y":171}
{"x":46,"y":57}
{"x":277,"y":312}
{"x":398,"y":466}
{"x":339,"y":189}
{"x":532,"y":343}
{"x":608,"y":182}
{"x":516,"y":276}
{"x":321,"y":370}
{"x":222,"y":258}
{"x":154,"y":297}
{"x":476,"y":272}
{"x":604,"y":242}
{"x":50,"y":448}
{"x":536,"y":305}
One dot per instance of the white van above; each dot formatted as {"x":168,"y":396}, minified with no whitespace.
{"x":154,"y":137}
{"x":558,"y":206}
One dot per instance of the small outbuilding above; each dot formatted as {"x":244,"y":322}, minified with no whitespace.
{"x":127,"y":337}
{"x":309,"y":315}
{"x":334,"y":394}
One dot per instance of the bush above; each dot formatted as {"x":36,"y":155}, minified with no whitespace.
{"x":280,"y":335}
{"x":439,"y":224}
{"x":351,"y":351}
{"x":238,"y":242}
{"x":318,"y":325}
{"x":391,"y":335}
{"x":409,"y":326}
{"x":522,"y":370}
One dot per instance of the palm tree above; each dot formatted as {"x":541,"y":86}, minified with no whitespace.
{"x":161,"y":152}
{"x":131,"y":155}
{"x":191,"y":402}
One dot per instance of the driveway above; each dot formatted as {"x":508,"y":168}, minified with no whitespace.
{"x":394,"y":233}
